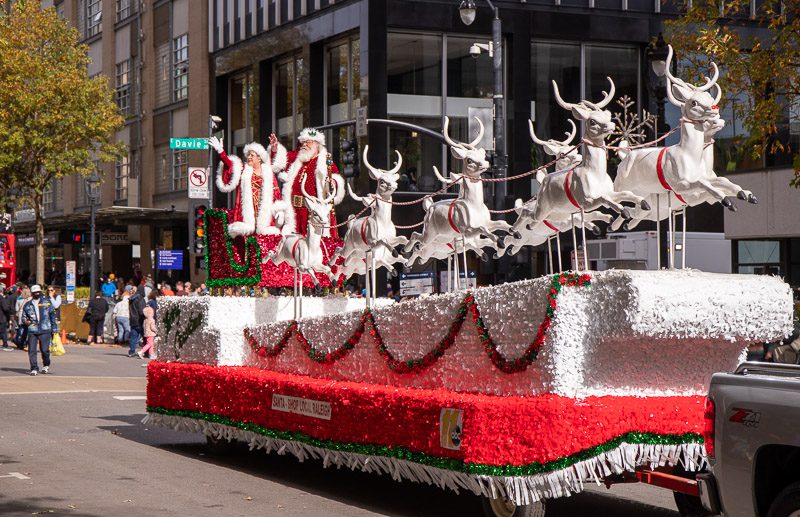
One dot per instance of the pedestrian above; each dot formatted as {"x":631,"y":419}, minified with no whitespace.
{"x":167,"y":290}
{"x":21,"y":337}
{"x":152,"y":302}
{"x":97,"y":310}
{"x":187,"y":288}
{"x":122,"y":317}
{"x":136,"y":309}
{"x":179,"y":289}
{"x":109,"y":289}
{"x":40,"y":318}
{"x":149,"y":332}
{"x":6,"y":317}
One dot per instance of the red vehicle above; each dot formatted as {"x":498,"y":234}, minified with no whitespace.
{"x":8,"y":259}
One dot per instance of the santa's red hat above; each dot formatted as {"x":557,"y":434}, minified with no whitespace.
{"x":310,"y":133}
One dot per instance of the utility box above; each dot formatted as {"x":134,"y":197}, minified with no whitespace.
{"x":705,"y":251}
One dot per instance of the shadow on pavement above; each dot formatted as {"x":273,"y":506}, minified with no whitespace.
{"x":40,"y":506}
{"x":25,"y":371}
{"x":376,"y":493}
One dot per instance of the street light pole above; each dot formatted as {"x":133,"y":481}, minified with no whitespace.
{"x":213,"y":120}
{"x":93,"y":191}
{"x":467,"y":13}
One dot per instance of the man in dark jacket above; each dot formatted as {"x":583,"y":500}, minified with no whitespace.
{"x":5,"y":317}
{"x":136,"y":304}
{"x":40,"y":318}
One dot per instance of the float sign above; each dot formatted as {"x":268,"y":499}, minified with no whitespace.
{"x":413,"y":284}
{"x":170,"y":259}
{"x":70,"y":266}
{"x":198,"y":183}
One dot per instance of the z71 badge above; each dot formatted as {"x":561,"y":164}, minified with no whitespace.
{"x":745,"y":416}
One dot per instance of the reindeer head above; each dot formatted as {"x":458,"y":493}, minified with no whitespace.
{"x":566,"y":155}
{"x":598,"y":121}
{"x":319,"y":210}
{"x":474,"y":158}
{"x":695,"y":102}
{"x":387,"y":180}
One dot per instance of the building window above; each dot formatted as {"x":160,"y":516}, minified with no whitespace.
{"x":94,"y":15}
{"x":180,"y":163}
{"x":759,"y":257}
{"x":121,"y":173}
{"x":180,"y":64}
{"x":342,"y":90}
{"x":125,"y":8}
{"x":291,"y":99}
{"x":243,"y":117}
{"x":124,"y":87}
{"x":48,"y":198}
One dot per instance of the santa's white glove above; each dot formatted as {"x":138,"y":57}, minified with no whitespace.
{"x":216,"y":144}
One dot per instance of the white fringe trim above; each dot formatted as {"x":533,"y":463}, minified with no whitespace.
{"x":521,"y":490}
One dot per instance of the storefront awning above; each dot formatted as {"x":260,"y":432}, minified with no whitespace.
{"x":106,"y":217}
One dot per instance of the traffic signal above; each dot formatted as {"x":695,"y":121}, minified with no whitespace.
{"x":349,"y":158}
{"x":200,"y":229}
{"x":78,"y":237}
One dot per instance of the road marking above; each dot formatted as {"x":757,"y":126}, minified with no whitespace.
{"x":15,"y":475}
{"x":57,"y":392}
{"x":130,"y":397}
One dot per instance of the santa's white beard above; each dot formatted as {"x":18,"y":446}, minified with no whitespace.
{"x":305,"y":154}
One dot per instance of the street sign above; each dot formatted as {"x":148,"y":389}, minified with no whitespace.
{"x":413,"y":284}
{"x":170,"y":259}
{"x":444,"y":281}
{"x":198,"y":183}
{"x":578,"y":264}
{"x":361,"y":121}
{"x":70,"y":266}
{"x":190,"y":144}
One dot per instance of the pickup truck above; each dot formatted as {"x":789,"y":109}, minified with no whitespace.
{"x":752,"y":439}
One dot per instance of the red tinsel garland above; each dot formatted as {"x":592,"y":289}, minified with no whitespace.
{"x":496,"y":430}
{"x":368,"y":324}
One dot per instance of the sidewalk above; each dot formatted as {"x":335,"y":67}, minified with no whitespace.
{"x":96,"y":360}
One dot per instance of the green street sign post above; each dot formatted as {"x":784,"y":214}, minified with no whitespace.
{"x":190,"y":144}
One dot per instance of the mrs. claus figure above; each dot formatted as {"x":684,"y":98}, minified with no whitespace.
{"x":259,"y":207}
{"x":313,"y":162}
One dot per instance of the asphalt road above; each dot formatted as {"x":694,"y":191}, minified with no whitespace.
{"x":72,"y":443}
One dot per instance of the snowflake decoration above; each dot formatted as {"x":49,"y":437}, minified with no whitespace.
{"x":629,"y":128}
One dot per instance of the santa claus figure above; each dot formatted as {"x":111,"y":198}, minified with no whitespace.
{"x":259,"y":207}
{"x":313,"y":162}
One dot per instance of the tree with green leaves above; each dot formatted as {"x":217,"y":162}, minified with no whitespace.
{"x":760,"y":59}
{"x":55,"y":120}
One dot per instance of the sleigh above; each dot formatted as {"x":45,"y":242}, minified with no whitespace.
{"x":519,"y":393}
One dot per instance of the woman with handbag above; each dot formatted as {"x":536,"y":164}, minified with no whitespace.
{"x":97,"y":316}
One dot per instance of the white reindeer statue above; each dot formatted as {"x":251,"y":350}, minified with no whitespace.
{"x":567,"y":157}
{"x":370,"y":240}
{"x":680,"y":171}
{"x":587,"y":187}
{"x":304,"y":253}
{"x":462,"y":222}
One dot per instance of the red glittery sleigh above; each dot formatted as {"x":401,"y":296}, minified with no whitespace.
{"x":237,"y":261}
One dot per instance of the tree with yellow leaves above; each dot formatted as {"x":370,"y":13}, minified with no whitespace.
{"x":760,"y":59}
{"x":55,"y":120}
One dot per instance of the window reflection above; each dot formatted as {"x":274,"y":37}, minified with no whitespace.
{"x":291,"y":99}
{"x":414,"y":64}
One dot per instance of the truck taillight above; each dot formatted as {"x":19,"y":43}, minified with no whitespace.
{"x":708,"y":427}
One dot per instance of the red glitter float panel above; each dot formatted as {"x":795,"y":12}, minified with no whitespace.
{"x":237,"y":262}
{"x":495,"y":430}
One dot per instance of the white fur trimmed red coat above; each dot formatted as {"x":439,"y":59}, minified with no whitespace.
{"x":274,"y":216}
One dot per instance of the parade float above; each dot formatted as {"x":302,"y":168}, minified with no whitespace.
{"x":518,"y":392}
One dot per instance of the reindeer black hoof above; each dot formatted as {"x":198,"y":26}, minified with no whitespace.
{"x":501,"y":242}
{"x":626,"y":213}
{"x":407,"y":268}
{"x":517,"y":235}
{"x":728,"y":204}
{"x":393,"y":273}
{"x":752,"y":199}
{"x":644,"y":205}
{"x":485,"y":258}
{"x":742,"y":195}
{"x":625,"y":226}
{"x":596,"y":231}
{"x":395,"y":253}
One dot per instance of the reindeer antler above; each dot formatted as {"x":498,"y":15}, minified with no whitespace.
{"x":607,"y":96}
{"x":398,"y":164}
{"x":533,"y":134}
{"x":372,"y":171}
{"x":570,"y":135}
{"x":561,"y":102}
{"x":451,"y":142}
